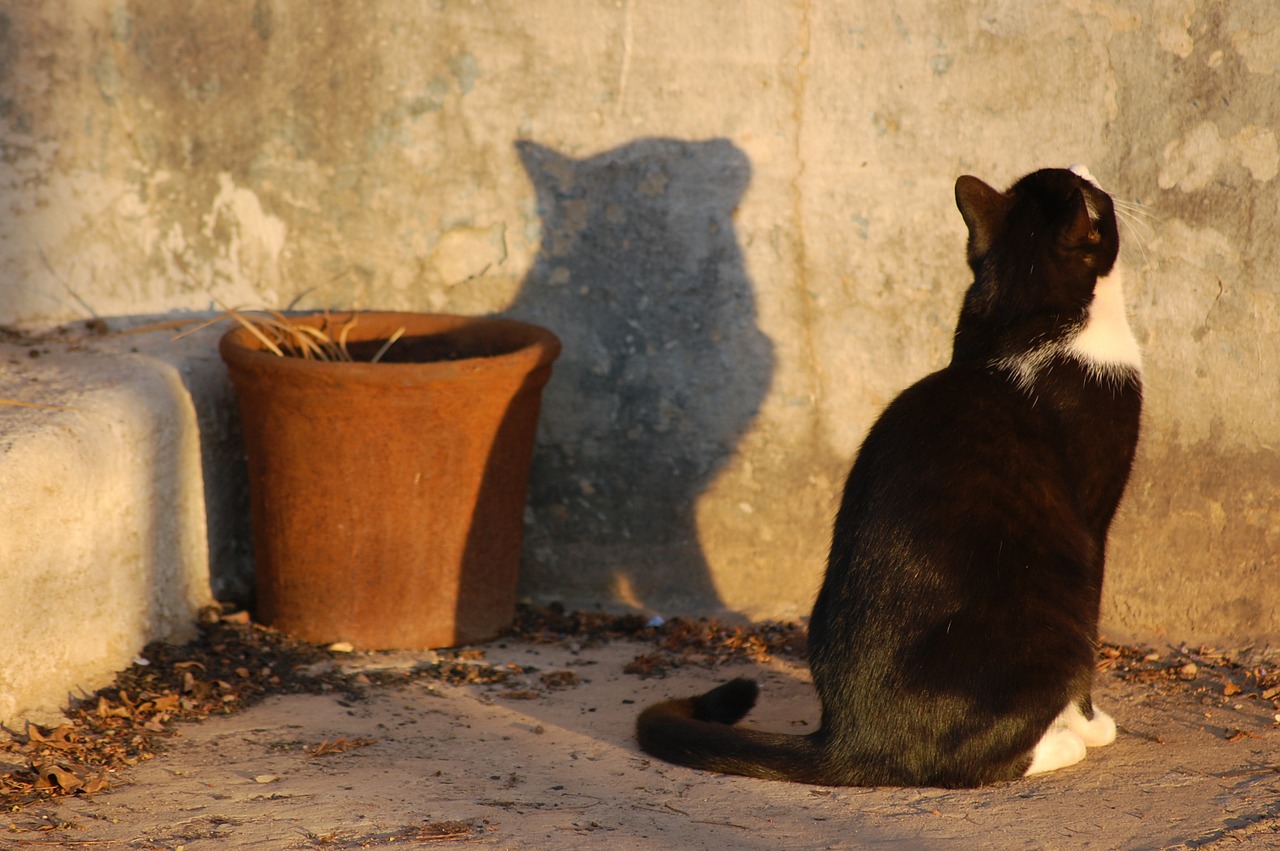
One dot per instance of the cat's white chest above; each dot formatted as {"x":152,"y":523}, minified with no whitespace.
{"x":1106,"y":341}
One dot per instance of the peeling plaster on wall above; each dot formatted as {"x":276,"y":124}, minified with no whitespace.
{"x":1261,"y":50}
{"x":251,"y":241}
{"x":1256,"y":147}
{"x":1118,"y":19}
{"x":1191,"y":162}
{"x":1173,"y":19}
{"x":466,"y":253}
{"x":241,"y":209}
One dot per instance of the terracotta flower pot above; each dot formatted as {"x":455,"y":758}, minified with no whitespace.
{"x":387,"y":499}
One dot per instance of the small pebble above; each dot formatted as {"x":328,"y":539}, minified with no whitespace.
{"x":1188,"y":671}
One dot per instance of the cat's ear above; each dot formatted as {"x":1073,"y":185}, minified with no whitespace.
{"x":1083,"y":228}
{"x":984,"y":210}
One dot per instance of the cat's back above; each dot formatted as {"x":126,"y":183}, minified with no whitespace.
{"x":961,"y":518}
{"x":959,"y":473}
{"x":950,"y":434}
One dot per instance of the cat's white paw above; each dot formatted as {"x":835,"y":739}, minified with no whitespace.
{"x":1057,"y":748}
{"x":1095,"y":732}
{"x":1068,"y":737}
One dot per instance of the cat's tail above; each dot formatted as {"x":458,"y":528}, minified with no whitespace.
{"x":697,"y":732}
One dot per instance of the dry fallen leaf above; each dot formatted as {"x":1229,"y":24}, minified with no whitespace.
{"x":161,"y":703}
{"x":560,"y":679}
{"x":106,"y":709}
{"x":340,"y":745}
{"x":442,"y":830}
{"x":520,"y":694}
{"x":60,"y":737}
{"x":50,"y":775}
{"x":97,"y":783}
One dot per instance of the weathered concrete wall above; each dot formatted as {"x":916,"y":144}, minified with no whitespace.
{"x":738,"y":217}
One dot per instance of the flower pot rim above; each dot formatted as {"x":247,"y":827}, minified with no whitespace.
{"x":239,"y":346}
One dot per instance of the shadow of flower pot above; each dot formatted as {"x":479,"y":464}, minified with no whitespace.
{"x":387,"y":498}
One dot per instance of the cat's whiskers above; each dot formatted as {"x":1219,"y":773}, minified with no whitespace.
{"x":1136,"y":207}
{"x":1135,"y":220}
{"x":1139,"y":240}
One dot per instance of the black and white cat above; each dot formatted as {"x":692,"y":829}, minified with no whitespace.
{"x":953,"y":641}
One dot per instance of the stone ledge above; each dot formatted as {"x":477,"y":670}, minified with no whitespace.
{"x":103,"y":503}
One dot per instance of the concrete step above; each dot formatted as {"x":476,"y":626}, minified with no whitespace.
{"x":115,"y":500}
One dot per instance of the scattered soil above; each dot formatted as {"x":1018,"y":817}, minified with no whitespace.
{"x":234,"y":664}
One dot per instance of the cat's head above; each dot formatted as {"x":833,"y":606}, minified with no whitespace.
{"x":1036,"y":249}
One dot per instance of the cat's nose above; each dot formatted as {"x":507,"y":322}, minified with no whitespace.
{"x":1082,"y":171}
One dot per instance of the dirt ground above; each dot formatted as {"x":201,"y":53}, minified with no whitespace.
{"x":527,"y":743}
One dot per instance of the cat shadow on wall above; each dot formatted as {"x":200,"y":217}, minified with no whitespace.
{"x":640,"y":274}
